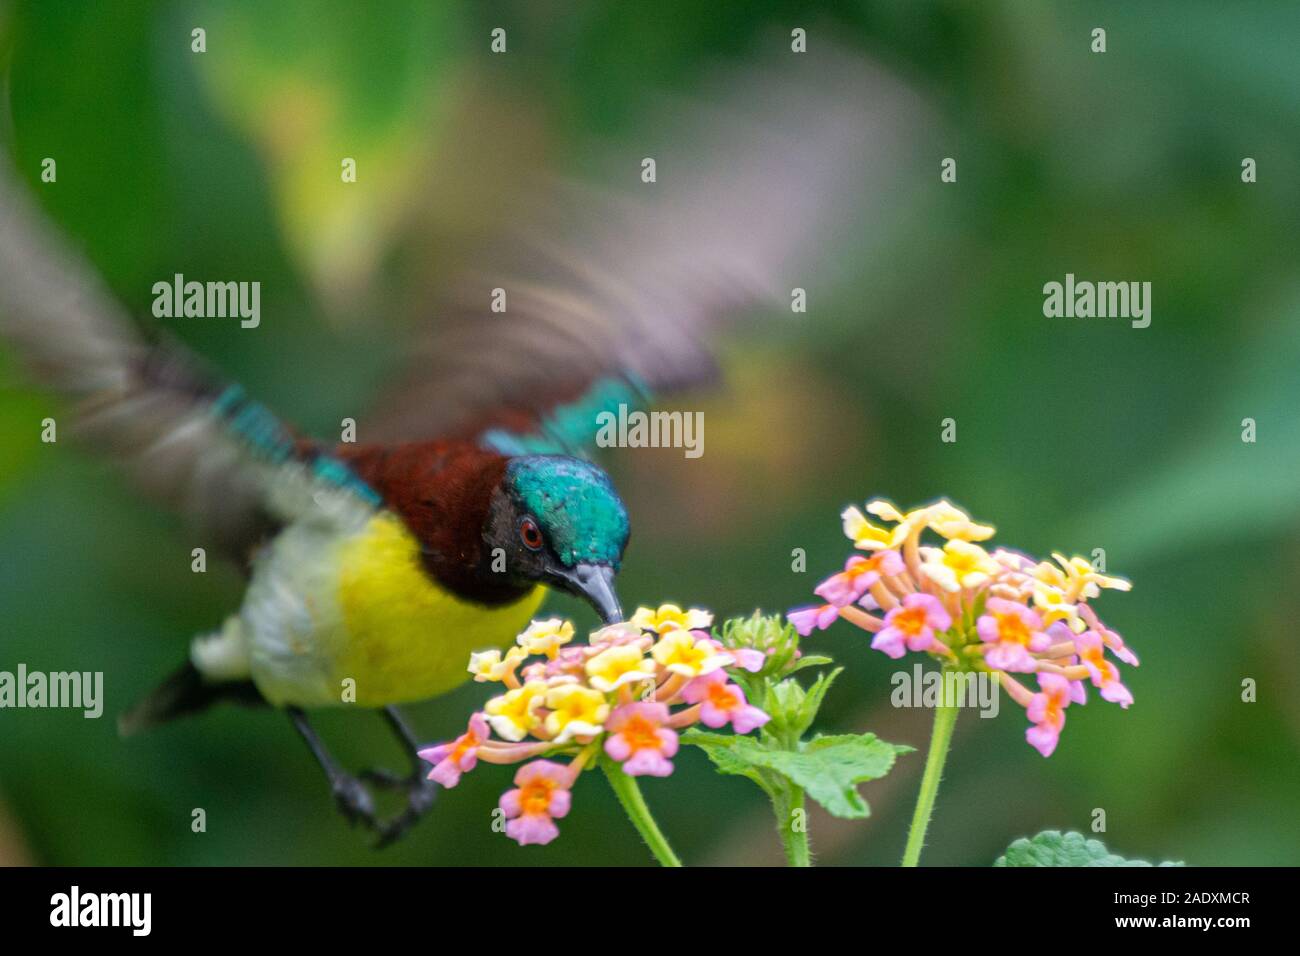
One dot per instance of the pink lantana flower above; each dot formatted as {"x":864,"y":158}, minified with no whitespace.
{"x":573,"y":702}
{"x":1104,"y":674}
{"x":541,"y":796}
{"x":458,"y":757}
{"x":722,"y":702}
{"x":639,"y":740}
{"x":858,"y":576}
{"x":1010,"y":631}
{"x":748,"y":658}
{"x":815,"y":618}
{"x":1109,"y":637}
{"x":999,"y":611}
{"x":911,"y":626}
{"x":1046,"y":711}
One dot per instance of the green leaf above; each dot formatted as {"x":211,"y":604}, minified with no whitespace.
{"x":722,"y":750}
{"x":1053,"y":848}
{"x":793,"y":708}
{"x":809,"y":660}
{"x":813,"y":700}
{"x":830,"y":768}
{"x":784,"y":702}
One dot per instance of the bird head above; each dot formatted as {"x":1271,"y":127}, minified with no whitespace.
{"x":560,"y":522}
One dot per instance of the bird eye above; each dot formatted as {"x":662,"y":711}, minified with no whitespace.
{"x":530,"y":534}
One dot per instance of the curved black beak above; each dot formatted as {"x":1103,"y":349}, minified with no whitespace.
{"x":595,"y":582}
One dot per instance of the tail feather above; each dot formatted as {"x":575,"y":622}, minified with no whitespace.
{"x":184,"y":693}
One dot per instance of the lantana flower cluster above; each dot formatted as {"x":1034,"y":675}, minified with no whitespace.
{"x":973,"y":609}
{"x":624,"y":694}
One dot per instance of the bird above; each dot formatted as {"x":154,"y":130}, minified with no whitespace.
{"x":374,"y":568}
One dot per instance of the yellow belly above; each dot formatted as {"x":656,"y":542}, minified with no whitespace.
{"x":407,"y":638}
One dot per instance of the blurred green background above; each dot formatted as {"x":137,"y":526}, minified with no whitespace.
{"x":1072,"y":434}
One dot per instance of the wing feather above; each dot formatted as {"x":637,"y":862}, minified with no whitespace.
{"x":187,"y":439}
{"x":754,"y":180}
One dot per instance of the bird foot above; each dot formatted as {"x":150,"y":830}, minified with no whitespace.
{"x":420,"y":795}
{"x":385,"y":778}
{"x":351,"y":795}
{"x":357,"y":804}
{"x":354,"y":800}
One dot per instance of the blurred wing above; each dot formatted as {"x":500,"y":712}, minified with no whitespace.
{"x":613,"y":297}
{"x":198,"y":445}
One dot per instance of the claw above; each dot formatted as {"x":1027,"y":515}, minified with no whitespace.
{"x":383,"y":777}
{"x":420,"y":794}
{"x":354,"y":800}
{"x":420,"y":797}
{"x":394,"y":830}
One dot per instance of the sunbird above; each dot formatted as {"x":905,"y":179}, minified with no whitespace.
{"x":377,"y":567}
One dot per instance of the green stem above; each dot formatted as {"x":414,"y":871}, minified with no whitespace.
{"x":945,"y":718}
{"x":794,"y":840}
{"x":629,"y":795}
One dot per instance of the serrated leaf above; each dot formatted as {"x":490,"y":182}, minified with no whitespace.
{"x":1053,"y":848}
{"x":722,"y":750}
{"x":702,"y":738}
{"x":830,"y":768}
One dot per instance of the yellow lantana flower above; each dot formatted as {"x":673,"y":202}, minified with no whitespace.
{"x":546,"y":637}
{"x":681,"y":652}
{"x":619,"y":665}
{"x":491,"y":666}
{"x":868,"y":536}
{"x":1053,"y":605}
{"x":943,"y":516}
{"x":885,"y":510}
{"x":958,"y":565}
{"x":670,"y":617}
{"x":951,"y":522}
{"x":1083,"y":580}
{"x":576,"y":711}
{"x":514,"y":713}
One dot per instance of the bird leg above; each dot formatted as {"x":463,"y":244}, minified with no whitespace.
{"x":353,"y":799}
{"x":419,"y":790}
{"x":383,"y":777}
{"x":350,"y":793}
